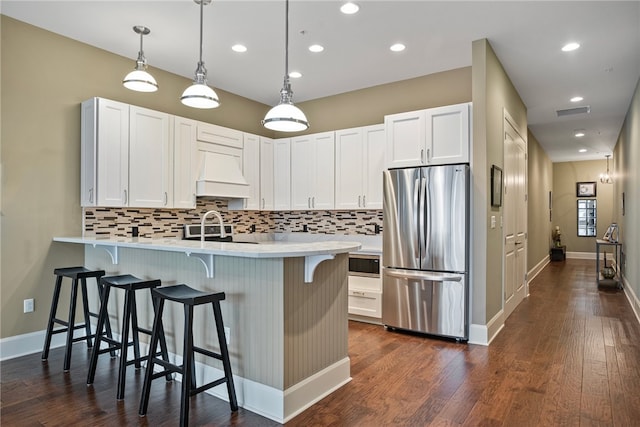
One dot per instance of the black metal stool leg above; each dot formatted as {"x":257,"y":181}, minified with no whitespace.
{"x":224,"y":351}
{"x":52,"y":316}
{"x":85,"y":312}
{"x":71,"y":324}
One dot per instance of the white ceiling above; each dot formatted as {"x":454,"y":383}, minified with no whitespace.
{"x":526,"y":36}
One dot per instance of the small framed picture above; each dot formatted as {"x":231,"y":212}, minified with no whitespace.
{"x":496,"y":186}
{"x":586,"y":189}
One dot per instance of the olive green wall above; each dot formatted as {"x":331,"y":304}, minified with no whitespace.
{"x":565,"y":177}
{"x":369,"y":106}
{"x":45,"y":77}
{"x":493,"y":93}
{"x":626,"y":160}
{"x":540,"y":176}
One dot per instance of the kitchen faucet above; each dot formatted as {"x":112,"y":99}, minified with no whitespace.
{"x":204,"y":218}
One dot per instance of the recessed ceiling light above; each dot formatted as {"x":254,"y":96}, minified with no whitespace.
{"x":576,"y":99}
{"x":582,"y":150}
{"x":349,"y":8}
{"x":295,"y":74}
{"x":570,"y":46}
{"x":239,"y":48}
{"x":579,"y":134}
{"x":316,"y":48}
{"x":398,"y":47}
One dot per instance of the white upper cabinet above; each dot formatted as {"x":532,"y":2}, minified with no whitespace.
{"x":428,"y":137}
{"x":104,"y":153}
{"x":375,"y":145}
{"x":359,"y":165}
{"x":266,"y":174}
{"x":184,"y":163}
{"x":312,"y":171}
{"x":150,"y":159}
{"x":282,"y":174}
{"x":251,"y":172}
{"x":448,"y":134}
{"x":220,"y":135}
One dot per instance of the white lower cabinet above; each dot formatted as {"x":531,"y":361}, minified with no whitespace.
{"x":365,"y":298}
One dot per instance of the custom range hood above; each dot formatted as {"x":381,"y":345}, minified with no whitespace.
{"x":220,"y":176}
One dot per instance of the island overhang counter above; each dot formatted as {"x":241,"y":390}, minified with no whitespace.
{"x":285,"y":311}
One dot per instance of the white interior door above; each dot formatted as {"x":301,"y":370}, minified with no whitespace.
{"x":515,"y":218}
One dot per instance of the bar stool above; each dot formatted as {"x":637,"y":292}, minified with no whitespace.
{"x":189,"y":298}
{"x":75,"y":274}
{"x":130,"y":284}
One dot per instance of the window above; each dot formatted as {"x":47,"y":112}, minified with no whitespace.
{"x":587,"y":218}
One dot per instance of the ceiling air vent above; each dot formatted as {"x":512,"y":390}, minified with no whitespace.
{"x":572,"y":111}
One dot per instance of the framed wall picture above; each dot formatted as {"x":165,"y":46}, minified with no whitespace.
{"x":496,"y":186}
{"x":586,"y":189}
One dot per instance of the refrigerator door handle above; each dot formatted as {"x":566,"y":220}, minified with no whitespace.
{"x":417,"y":216}
{"x":422,"y":226}
{"x":419,"y":275}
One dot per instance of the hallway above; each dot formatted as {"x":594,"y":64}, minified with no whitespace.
{"x":569,"y":355}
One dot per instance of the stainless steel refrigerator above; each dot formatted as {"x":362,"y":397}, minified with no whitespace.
{"x":426,"y":250}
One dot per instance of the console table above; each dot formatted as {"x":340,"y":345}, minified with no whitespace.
{"x":602,"y":245}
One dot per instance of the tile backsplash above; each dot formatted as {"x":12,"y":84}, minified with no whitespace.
{"x":117,"y":222}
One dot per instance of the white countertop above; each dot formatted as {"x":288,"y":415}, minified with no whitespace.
{"x":267,"y":249}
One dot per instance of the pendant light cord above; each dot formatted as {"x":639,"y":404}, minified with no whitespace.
{"x":286,"y":41}
{"x":201,"y":23}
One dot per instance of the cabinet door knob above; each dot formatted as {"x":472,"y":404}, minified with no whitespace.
{"x":91,"y":195}
{"x":422,"y":155}
{"x":126,"y":198}
{"x":313,"y":202}
{"x":166,"y":198}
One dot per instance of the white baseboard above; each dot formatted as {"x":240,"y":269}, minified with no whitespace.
{"x":484,"y":334}
{"x":632,"y":297}
{"x":22,"y":345}
{"x":581,"y":255}
{"x":538,"y":268}
{"x":270,"y":402}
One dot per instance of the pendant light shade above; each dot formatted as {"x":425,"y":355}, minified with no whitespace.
{"x":605,"y":178}
{"x":286,"y":117}
{"x":139,"y":79}
{"x":199,"y":94}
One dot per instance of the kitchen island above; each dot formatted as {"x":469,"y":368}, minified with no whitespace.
{"x":285,"y":311}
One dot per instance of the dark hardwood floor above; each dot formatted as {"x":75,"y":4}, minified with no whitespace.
{"x":568,"y":356}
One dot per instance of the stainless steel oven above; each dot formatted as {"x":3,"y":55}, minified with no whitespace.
{"x":365,"y":265}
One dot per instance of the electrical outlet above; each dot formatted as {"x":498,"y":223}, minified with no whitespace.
{"x":227,"y":334}
{"x":28,"y":305}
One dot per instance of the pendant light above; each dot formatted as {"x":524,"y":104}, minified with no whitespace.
{"x":139,"y":80}
{"x":199,"y":94}
{"x":286,"y":117}
{"x":605,"y":178}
